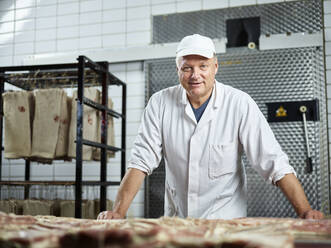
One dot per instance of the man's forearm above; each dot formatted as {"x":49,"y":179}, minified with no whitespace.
{"x":127,"y":191}
{"x":293,"y":190}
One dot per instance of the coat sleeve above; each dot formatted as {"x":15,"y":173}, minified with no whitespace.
{"x":260,"y":145}
{"x":146,"y":153}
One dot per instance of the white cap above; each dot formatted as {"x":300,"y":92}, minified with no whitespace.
{"x":196,"y":44}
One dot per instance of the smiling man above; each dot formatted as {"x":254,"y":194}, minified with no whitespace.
{"x":202,"y":127}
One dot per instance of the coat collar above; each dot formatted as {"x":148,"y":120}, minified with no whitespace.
{"x":216,"y":97}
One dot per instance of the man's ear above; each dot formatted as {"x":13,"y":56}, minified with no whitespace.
{"x":177,"y":70}
{"x":216,"y":65}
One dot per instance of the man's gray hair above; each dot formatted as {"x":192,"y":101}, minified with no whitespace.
{"x":180,"y":57}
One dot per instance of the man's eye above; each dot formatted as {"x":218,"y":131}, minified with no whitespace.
{"x":203,"y":66}
{"x":186,"y":69}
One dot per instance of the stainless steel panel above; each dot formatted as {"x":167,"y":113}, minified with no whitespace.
{"x":268,"y":76}
{"x":276,"y":18}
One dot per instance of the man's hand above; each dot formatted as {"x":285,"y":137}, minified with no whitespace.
{"x":293,"y":190}
{"x":312,"y":214}
{"x":107,"y":215}
{"x":128,"y":189}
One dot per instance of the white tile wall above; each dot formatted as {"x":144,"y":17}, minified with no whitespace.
{"x":45,"y":46}
{"x":27,"y":24}
{"x":328,"y":62}
{"x":328,"y":92}
{"x":46,"y":11}
{"x":17,"y":171}
{"x":46,"y":34}
{"x":46,"y":2}
{"x":65,"y":170}
{"x":328,"y":77}
{"x":45,"y":22}
{"x":134,"y":66}
{"x":328,"y":48}
{"x":25,"y":4}
{"x":6,"y":5}
{"x":5,"y":60}
{"x":213,"y":4}
{"x":114,"y":27}
{"x":138,"y":38}
{"x":68,"y":8}
{"x":24,"y":48}
{"x":90,"y":5}
{"x":114,"y":15}
{"x":7,"y":27}
{"x":66,"y":1}
{"x":6,"y":50}
{"x":117,"y":68}
{"x":25,"y":36}
{"x":90,"y":17}
{"x":18,"y":59}
{"x":90,"y":42}
{"x":163,"y":9}
{"x":49,"y":26}
{"x":235,"y":3}
{"x":6,"y":16}
{"x":327,"y":20}
{"x":189,"y":6}
{"x":6,"y":38}
{"x":328,"y":34}
{"x":139,"y":25}
{"x":327,"y":6}
{"x":39,"y":170}
{"x":68,"y":32}
{"x":137,"y":3}
{"x":25,"y":13}
{"x":67,"y":20}
{"x":162,"y":1}
{"x":90,"y":30}
{"x":112,"y":41}
{"x":67,"y":45}
{"x":266,"y":1}
{"x":138,"y":12}
{"x":113,"y":4}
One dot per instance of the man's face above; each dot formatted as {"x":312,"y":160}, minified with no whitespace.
{"x":197,"y":76}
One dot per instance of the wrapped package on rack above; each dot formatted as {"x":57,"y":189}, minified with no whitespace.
{"x":7,"y":206}
{"x":37,"y":207}
{"x":61,"y":150}
{"x":18,"y":206}
{"x":110,"y":133}
{"x":67,"y":209}
{"x":90,"y":125}
{"x":18,"y":111}
{"x":50,"y":125}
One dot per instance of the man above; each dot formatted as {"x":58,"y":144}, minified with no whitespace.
{"x":202,"y":127}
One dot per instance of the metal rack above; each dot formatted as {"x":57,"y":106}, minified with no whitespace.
{"x":76,"y":74}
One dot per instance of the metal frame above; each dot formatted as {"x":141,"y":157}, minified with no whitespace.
{"x":106,"y":79}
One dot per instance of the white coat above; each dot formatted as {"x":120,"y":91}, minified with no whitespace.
{"x":205,"y":177}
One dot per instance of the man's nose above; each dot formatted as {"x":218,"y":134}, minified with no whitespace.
{"x":195,"y":74}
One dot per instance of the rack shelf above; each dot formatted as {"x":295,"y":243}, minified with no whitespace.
{"x":65,"y":183}
{"x":64,"y":76}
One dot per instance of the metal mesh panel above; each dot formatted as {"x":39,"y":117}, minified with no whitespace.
{"x":268,"y":76}
{"x":154,"y":193}
{"x":272,"y":76}
{"x":294,"y":17}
